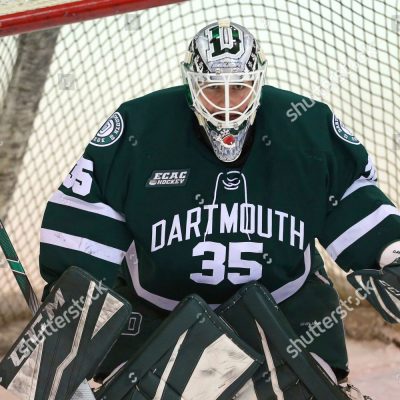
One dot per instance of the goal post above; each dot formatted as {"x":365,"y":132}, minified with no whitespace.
{"x":344,"y":55}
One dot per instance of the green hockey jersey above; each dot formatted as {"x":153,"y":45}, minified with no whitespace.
{"x":150,"y":195}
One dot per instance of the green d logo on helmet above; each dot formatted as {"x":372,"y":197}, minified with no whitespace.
{"x":224,"y":70}
{"x":221,"y":45}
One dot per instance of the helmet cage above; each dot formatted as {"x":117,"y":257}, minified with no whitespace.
{"x":229,"y":115}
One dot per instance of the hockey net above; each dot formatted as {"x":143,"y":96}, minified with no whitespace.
{"x":347,"y":57}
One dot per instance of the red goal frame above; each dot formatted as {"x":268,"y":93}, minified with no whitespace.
{"x":67,"y":13}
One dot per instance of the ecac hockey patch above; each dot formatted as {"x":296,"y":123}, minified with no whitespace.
{"x":343,"y":131}
{"x":110,"y":132}
{"x":177,"y":177}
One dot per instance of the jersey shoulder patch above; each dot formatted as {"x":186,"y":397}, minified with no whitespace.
{"x":343,"y":131}
{"x":110,"y":132}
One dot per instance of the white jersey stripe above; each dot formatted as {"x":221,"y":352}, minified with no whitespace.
{"x":369,"y":165}
{"x":361,"y":228}
{"x":373,"y":175}
{"x":357,"y":184}
{"x":97,"y":208}
{"x":84,"y":245}
{"x":290,"y":288}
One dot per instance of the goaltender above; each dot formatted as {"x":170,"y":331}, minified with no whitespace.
{"x":205,"y":187}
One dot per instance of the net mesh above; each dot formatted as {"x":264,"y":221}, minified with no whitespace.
{"x":347,"y":57}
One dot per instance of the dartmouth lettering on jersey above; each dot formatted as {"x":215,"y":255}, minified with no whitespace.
{"x":245,"y":218}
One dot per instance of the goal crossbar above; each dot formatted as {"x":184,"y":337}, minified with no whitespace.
{"x":56,"y":13}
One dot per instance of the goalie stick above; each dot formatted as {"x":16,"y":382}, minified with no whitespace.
{"x":18,"y":270}
{"x":83,"y":392}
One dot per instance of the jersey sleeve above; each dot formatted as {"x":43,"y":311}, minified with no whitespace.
{"x":361,"y":220}
{"x":84,"y":223}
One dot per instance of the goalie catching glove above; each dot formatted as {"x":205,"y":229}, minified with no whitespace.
{"x":382,"y":287}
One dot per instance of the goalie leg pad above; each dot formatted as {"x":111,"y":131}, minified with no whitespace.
{"x":257,"y":319}
{"x":193,"y":355}
{"x":66,"y":339}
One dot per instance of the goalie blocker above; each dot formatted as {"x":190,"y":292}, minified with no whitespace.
{"x":381,"y":287}
{"x":66,"y":339}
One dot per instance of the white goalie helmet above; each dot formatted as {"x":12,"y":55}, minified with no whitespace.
{"x":224,"y":70}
